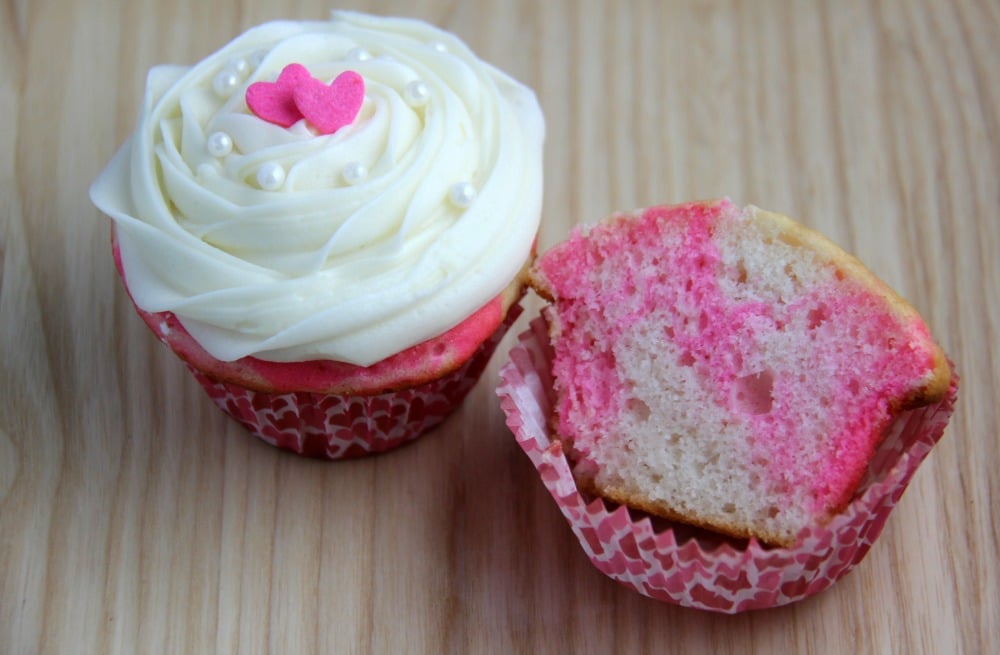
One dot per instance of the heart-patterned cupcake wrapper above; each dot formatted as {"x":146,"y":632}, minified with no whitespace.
{"x":684,"y":566}
{"x":335,"y":426}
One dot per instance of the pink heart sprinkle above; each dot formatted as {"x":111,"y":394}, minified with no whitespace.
{"x":330,"y":108}
{"x":274,"y":101}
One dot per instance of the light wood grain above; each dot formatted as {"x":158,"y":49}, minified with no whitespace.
{"x":136,"y":518}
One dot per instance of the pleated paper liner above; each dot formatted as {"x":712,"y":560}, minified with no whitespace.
{"x":693,"y":568}
{"x":336,"y":426}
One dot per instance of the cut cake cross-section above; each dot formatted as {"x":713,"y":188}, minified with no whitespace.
{"x":727,"y":368}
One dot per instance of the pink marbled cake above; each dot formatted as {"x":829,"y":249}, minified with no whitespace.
{"x":727,"y":367}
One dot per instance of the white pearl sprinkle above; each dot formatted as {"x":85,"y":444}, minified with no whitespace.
{"x":270,"y":176}
{"x":358,"y":54}
{"x":219,"y":144}
{"x":225,"y":82}
{"x":354,"y":172}
{"x":239,"y":66}
{"x":416,"y":93}
{"x":257,"y":58}
{"x":462,"y":195}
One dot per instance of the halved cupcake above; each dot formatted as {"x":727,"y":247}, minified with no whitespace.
{"x":731,"y":370}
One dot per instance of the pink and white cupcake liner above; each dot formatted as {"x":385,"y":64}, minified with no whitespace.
{"x":334,"y":426}
{"x":685,"y":566}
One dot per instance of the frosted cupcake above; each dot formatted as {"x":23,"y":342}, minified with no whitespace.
{"x":330,"y":222}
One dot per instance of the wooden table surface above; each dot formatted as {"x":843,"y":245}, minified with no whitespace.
{"x":136,"y":518}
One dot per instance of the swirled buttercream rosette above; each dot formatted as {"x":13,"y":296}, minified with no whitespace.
{"x":338,"y":190}
{"x":685,"y":566}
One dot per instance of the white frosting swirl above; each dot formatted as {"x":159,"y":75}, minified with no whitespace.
{"x":359,"y":252}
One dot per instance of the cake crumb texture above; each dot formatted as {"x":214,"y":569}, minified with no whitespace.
{"x":728,"y":368}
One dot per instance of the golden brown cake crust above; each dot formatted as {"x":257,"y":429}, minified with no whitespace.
{"x":794,"y":233}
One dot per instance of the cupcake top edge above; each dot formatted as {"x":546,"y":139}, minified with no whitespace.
{"x":339,"y":189}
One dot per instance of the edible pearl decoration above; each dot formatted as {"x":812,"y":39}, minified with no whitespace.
{"x":462,"y":195}
{"x":225,"y":82}
{"x":239,"y":66}
{"x":416,"y":93}
{"x":354,"y":172}
{"x":219,"y":144}
{"x":358,"y":54}
{"x":270,"y":176}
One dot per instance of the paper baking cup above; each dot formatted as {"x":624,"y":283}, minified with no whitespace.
{"x":334,"y":426}
{"x":327,"y":425}
{"x":693,"y":568}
